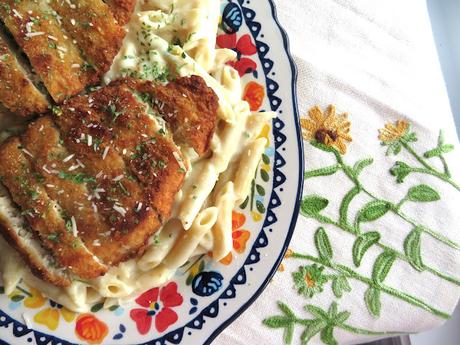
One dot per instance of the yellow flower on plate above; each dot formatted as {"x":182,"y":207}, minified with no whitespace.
{"x":35,"y":300}
{"x":327,"y":128}
{"x":50,"y":317}
{"x":392,"y":133}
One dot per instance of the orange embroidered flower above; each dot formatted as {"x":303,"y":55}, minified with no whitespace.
{"x":90,"y":329}
{"x":254,"y":94}
{"x":240,"y":237}
{"x":392,"y":133}
{"x":288,"y":254}
{"x":328,"y":128}
{"x":50,"y":317}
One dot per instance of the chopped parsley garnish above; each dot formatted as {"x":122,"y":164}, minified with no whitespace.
{"x":79,"y":178}
{"x":54,"y":237}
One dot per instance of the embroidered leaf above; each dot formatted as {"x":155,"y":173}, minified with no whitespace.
{"x":313,"y":204}
{"x":439,"y":151}
{"x":423,"y":193}
{"x":360,"y":165}
{"x":412,"y":248}
{"x":372,"y":299}
{"x":343,"y":212}
{"x":287,"y":322}
{"x":286,"y":310}
{"x":317,"y":312}
{"x":373,"y":211}
{"x":277,"y":321}
{"x":313,"y":329}
{"x":400,"y":170}
{"x":341,"y":317}
{"x":382,"y":266}
{"x":289,"y":333}
{"x":327,"y":336}
{"x":362,"y":244}
{"x":327,"y":171}
{"x":340,"y":285}
{"x":323,"y":245}
{"x":332,"y":311}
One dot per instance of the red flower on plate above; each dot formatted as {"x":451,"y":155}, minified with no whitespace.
{"x":243,"y":47}
{"x":158,"y":303}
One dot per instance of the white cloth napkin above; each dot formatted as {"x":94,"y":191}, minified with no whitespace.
{"x":375,"y":60}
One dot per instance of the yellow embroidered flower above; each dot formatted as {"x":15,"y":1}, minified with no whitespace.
{"x":392,"y":133}
{"x":395,"y":136}
{"x":50,"y":316}
{"x":328,"y":128}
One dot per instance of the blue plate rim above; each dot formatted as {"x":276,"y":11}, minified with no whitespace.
{"x":294,"y":69}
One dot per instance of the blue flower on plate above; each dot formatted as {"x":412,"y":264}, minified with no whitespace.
{"x":207,"y":283}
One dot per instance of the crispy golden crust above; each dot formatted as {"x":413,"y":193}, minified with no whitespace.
{"x":26,"y":188}
{"x":15,"y":84}
{"x":188,"y":105}
{"x":124,"y":203}
{"x":92,"y":25}
{"x":121,"y":9}
{"x":151,"y":156}
{"x":35,"y":263}
{"x":52,"y":54}
{"x":108,"y":163}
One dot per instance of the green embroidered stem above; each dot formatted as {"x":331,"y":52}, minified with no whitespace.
{"x":350,"y":229}
{"x":445,"y":166}
{"x":429,"y":169}
{"x":390,"y":291}
{"x":363,"y":331}
{"x":416,"y":155}
{"x":437,"y":174}
{"x":324,"y":322}
{"x":396,"y":210}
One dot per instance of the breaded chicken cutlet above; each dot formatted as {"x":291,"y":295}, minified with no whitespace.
{"x":93,"y":181}
{"x":69,"y":45}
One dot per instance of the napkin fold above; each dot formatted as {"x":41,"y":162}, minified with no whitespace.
{"x":376,"y":250}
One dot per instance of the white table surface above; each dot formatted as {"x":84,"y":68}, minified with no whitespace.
{"x":445,"y":15}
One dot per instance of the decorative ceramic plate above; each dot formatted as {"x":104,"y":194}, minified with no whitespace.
{"x":204,"y":296}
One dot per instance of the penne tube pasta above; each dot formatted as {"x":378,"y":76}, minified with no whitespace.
{"x":222,"y":230}
{"x":190,"y":239}
{"x":247,"y":168}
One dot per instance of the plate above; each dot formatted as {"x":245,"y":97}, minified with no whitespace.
{"x":204,"y":296}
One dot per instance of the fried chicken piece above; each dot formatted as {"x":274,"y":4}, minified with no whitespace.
{"x":20,"y":236}
{"x":151,"y":156}
{"x":92,"y":25}
{"x":53,"y":55}
{"x":15,"y":84}
{"x":43,"y":213}
{"x":121,"y":9}
{"x":188,"y":105}
{"x":96,"y":179}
